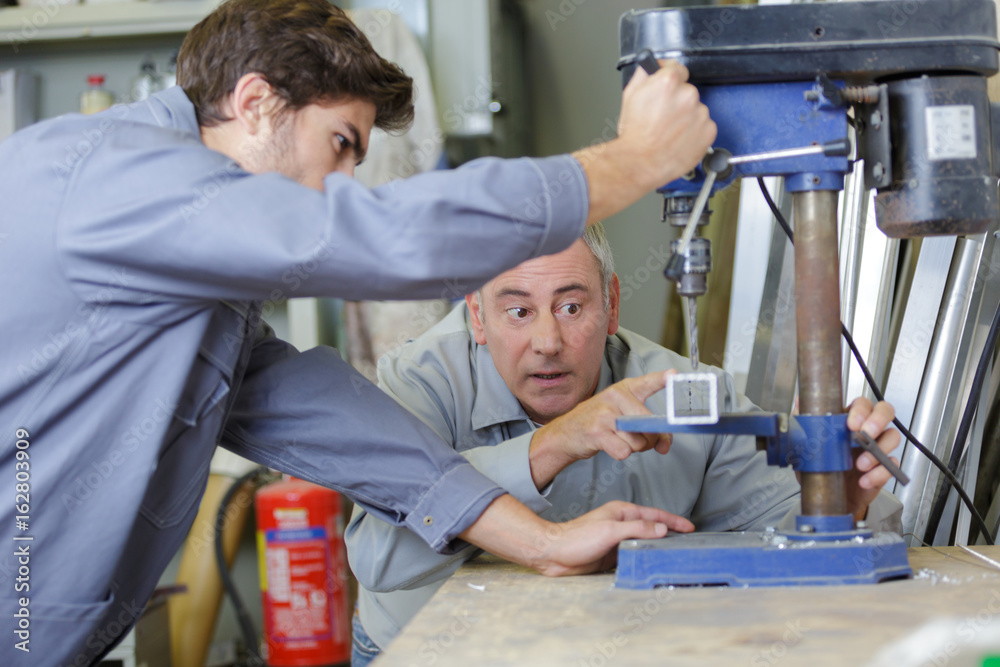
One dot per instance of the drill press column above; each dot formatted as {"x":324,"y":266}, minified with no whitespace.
{"x":817,"y":320}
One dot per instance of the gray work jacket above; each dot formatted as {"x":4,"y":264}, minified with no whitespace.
{"x":135,"y":263}
{"x":450,"y":382}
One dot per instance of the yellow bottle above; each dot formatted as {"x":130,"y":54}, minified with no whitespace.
{"x":95,"y":98}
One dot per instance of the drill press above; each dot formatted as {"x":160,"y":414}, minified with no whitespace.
{"x":782,"y":84}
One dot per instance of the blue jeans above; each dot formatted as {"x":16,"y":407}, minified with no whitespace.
{"x":363,"y":649}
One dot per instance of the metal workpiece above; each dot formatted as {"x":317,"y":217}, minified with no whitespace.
{"x":817,"y":318}
{"x":693,"y":398}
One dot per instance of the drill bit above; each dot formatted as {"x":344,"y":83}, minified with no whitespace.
{"x":692,"y":330}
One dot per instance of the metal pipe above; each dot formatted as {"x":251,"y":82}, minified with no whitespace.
{"x":817,"y":326}
{"x":944,"y":385}
{"x":853,"y":218}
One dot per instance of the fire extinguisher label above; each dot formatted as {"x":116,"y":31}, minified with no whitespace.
{"x":298,"y":567}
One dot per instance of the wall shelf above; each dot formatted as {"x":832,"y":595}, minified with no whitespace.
{"x":55,"y":23}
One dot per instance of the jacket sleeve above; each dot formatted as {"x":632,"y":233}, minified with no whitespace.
{"x":385,"y":557}
{"x":329,"y":425}
{"x":189,"y":224}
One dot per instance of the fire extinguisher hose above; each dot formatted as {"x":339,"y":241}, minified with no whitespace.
{"x":246,"y":623}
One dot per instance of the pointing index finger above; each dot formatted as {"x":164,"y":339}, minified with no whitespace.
{"x":646,"y":385}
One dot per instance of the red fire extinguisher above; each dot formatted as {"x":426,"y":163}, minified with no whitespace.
{"x":303,"y":575}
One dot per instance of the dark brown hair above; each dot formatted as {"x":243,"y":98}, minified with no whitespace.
{"x":307,"y":50}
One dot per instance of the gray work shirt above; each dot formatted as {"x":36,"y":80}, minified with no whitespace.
{"x":450,"y":382}
{"x":135,"y":264}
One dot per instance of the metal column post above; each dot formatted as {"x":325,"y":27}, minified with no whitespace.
{"x":817,"y":318}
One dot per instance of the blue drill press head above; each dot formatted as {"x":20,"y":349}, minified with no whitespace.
{"x":911,"y":73}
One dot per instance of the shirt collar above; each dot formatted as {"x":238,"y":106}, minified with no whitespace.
{"x":173,"y":108}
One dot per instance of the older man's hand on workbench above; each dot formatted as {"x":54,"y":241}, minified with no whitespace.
{"x":869,"y":476}
{"x":586,"y":544}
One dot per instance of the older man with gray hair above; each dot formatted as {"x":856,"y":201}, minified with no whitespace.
{"x":526,"y":379}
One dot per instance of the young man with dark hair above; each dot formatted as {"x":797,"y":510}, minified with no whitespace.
{"x":140,"y":247}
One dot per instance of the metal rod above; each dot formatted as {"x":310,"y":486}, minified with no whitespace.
{"x":817,"y":328}
{"x":945,"y":377}
{"x":774,"y":155}
{"x":979,"y":555}
{"x":699,"y":206}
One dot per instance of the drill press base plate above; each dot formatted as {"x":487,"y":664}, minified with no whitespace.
{"x":760,"y":559}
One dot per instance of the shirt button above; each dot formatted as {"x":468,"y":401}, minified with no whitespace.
{"x":428,"y":520}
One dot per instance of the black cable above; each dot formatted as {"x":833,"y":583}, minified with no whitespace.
{"x":958,"y":449}
{"x":242,"y":615}
{"x":774,"y":209}
{"x":948,"y":474}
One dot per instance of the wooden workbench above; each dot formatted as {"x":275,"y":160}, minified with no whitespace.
{"x":495,"y":613}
